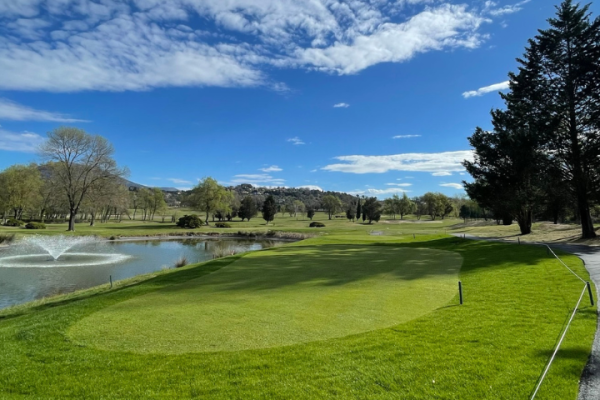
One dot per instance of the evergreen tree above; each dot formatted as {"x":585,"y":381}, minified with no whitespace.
{"x":248,"y":208}
{"x":569,"y":61}
{"x":358,"y":210}
{"x":372,"y":210}
{"x":269,"y":209}
{"x":310,"y":213}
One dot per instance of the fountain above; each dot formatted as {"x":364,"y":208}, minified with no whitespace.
{"x":56,"y":253}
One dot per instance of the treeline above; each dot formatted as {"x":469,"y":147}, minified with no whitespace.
{"x":79,"y":181}
{"x":542,"y":156}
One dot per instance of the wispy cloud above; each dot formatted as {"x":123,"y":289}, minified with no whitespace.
{"x":442,"y":173}
{"x":9,"y":110}
{"x":405,"y":136}
{"x":419,"y":162}
{"x":75,"y":45}
{"x":180,"y":181}
{"x":491,"y":7}
{"x":296,"y":141}
{"x":272,"y":168}
{"x":26,"y":142}
{"x":399,"y":184}
{"x":257,"y":180}
{"x":452,"y":185}
{"x":341,"y":105}
{"x":487,"y":89}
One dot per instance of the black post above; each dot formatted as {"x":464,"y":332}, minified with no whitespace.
{"x":590,"y":292}
{"x":460,"y":291}
{"x":413,"y":235}
{"x":110,"y":279}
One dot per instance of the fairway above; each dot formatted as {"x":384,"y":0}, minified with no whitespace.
{"x":279,"y":297}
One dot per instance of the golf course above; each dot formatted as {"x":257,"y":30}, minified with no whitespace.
{"x":347,"y":313}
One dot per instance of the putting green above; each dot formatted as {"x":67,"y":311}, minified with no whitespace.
{"x":279,"y":297}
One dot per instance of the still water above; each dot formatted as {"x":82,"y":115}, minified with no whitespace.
{"x":22,"y":281}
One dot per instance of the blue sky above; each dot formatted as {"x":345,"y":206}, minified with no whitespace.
{"x":366,"y":96}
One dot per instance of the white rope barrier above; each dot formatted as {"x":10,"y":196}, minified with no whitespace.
{"x":564,"y":333}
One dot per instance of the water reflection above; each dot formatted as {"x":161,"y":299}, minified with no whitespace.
{"x":20,"y":285}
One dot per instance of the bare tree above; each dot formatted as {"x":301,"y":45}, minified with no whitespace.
{"x":80,"y":161}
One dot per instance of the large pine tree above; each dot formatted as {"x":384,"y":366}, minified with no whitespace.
{"x":570,"y":91}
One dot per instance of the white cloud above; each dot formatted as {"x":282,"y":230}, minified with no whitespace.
{"x":272,"y":168}
{"x":341,"y":105}
{"x":257,"y":180}
{"x":399,"y":184}
{"x":487,"y":89}
{"x":405,"y":136}
{"x":25,"y":142}
{"x":9,"y":110}
{"x":418,"y":162}
{"x":112,"y":45}
{"x":296,"y":141}
{"x":311,"y":187}
{"x":491,"y":8}
{"x":179,"y":181}
{"x":442,"y":173}
{"x":378,"y":192}
{"x":452,"y":185}
{"x":445,"y":27}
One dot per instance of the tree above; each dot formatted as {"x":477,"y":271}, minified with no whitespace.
{"x":331,"y":204}
{"x":79,"y":160}
{"x":405,"y":206}
{"x":358,"y":210}
{"x":350,"y":212}
{"x":566,"y":59}
{"x":209,"y":196}
{"x":298,"y":207}
{"x":372,"y":209}
{"x":269,"y":209}
{"x":390,"y":207}
{"x":310,"y":213}
{"x":248,"y":208}
{"x":20,"y":187}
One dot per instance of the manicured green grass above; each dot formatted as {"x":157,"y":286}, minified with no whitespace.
{"x":280,"y":297}
{"x":495,"y":346}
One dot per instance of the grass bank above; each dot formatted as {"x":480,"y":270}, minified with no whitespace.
{"x":517,"y":300}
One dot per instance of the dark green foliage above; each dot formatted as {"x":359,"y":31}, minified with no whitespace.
{"x":359,"y":210}
{"x":248,"y":208}
{"x":350,"y":213}
{"x":13,"y":222}
{"x":372,"y":209}
{"x":269,"y":209}
{"x":189,"y":221}
{"x":35,"y":225}
{"x":316,"y":224}
{"x":222,"y":225}
{"x":310,"y":213}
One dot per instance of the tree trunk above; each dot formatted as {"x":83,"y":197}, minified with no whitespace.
{"x":93,"y":220}
{"x":72,"y":216}
{"x":524,"y":220}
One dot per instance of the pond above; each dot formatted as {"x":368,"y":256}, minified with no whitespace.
{"x":28,"y":272}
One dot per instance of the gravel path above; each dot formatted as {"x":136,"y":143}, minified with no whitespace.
{"x":589,"y":386}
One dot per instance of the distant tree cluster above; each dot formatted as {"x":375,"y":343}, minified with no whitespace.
{"x":543,"y":154}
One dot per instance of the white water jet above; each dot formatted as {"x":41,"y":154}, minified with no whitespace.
{"x":56,"y":246}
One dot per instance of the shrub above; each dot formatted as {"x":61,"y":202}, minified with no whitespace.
{"x":222,"y":225}
{"x":182,"y":262}
{"x":6,"y":238}
{"x":35,"y":225}
{"x":316,"y":224}
{"x":13,"y":222}
{"x":189,"y":221}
